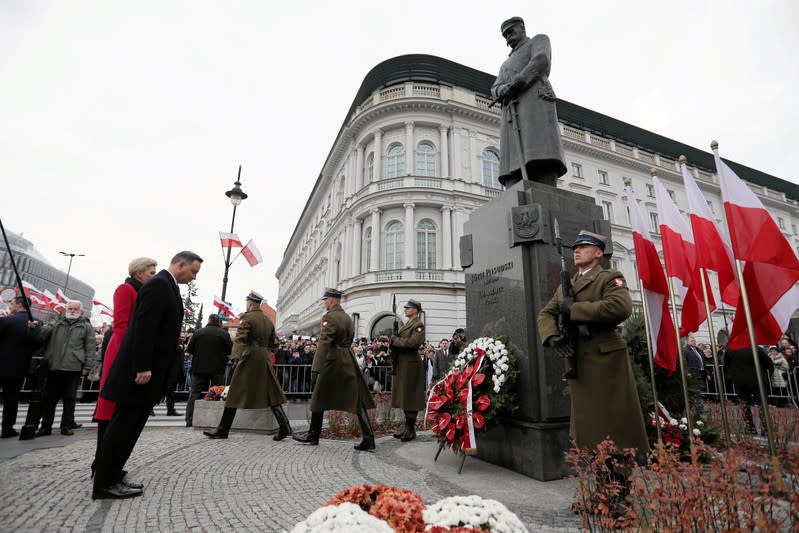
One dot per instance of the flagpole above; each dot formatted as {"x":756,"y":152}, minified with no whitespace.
{"x":720,"y":388}
{"x":648,"y":335}
{"x":680,"y":359}
{"x":772,"y":450}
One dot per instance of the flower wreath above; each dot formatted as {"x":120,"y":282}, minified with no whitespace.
{"x":478,"y":387}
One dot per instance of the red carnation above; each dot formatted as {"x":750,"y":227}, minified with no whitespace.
{"x":436,"y":402}
{"x":479,"y":420}
{"x":442,"y":422}
{"x":483,"y":402}
{"x":477,"y":379}
{"x":460,"y":420}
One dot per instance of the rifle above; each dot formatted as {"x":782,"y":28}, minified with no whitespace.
{"x":395,"y":332}
{"x":567,"y":330}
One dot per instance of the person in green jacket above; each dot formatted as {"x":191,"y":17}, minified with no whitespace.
{"x":407,"y":392}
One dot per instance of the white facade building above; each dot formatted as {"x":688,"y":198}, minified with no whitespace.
{"x":417,"y":153}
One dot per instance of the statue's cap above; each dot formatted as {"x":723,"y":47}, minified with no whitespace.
{"x":511,"y":22}
{"x":594,"y":239}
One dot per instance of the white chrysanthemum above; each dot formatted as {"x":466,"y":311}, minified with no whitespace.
{"x":475,"y":512}
{"x":683,"y":427}
{"x":697,"y":432}
{"x":343,"y":518}
{"x":673,"y":421}
{"x":683,"y":420}
{"x":699,"y":423}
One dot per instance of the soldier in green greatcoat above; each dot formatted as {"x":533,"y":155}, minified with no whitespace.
{"x":336,"y":379}
{"x":254,"y":384}
{"x":407,"y":389}
{"x":604,"y":397}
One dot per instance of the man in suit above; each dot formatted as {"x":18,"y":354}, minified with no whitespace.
{"x":442,"y":360}
{"x":209,"y":348}
{"x":407,"y":391}
{"x":695,"y":364}
{"x":137,"y":379}
{"x":336,"y":380}
{"x":16,"y":348}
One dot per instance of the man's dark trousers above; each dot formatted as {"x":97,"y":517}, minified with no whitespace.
{"x":200,"y":383}
{"x":11,"y":388}
{"x":61,"y":385}
{"x":119,"y":440}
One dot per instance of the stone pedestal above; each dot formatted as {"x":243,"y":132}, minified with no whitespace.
{"x":207,"y":415}
{"x":512,"y":269}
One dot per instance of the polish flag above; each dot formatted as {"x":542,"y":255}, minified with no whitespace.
{"x":251,"y":253}
{"x":654,"y":290}
{"x":100,"y":304}
{"x":716,"y":252}
{"x":225,"y":307}
{"x":771,"y":270}
{"x":51,"y":300}
{"x":679,"y":251}
{"x":107,"y":312}
{"x":229,"y":240}
{"x":61,"y":297}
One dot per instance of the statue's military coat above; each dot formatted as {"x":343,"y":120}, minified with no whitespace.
{"x":407,"y":389}
{"x":254,"y":384}
{"x":340,"y":385}
{"x":604,"y":397}
{"x":529,"y":65}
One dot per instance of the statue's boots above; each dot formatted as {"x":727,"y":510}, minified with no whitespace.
{"x":410,"y":426}
{"x":312,"y":435}
{"x":222,"y":430}
{"x":283,"y":421}
{"x":368,"y":436}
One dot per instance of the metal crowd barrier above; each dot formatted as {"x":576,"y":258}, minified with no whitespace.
{"x":789,"y":394}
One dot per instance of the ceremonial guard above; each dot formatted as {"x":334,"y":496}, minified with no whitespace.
{"x":407,"y":391}
{"x":336,"y":379}
{"x":254,"y":384}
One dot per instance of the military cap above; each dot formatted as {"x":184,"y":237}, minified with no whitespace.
{"x":331,"y":293}
{"x":586,"y":237}
{"x":413,"y":303}
{"x":255,"y":297}
{"x":511,"y":22}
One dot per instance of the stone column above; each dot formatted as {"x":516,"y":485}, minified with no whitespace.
{"x":345,"y":255}
{"x":446,"y":232}
{"x":410,"y":150}
{"x":356,"y":248}
{"x":375,"y":252}
{"x":378,"y":157}
{"x":359,"y":168}
{"x":457,"y":167}
{"x":410,"y":244}
{"x":475,"y":176}
{"x":444,"y":151}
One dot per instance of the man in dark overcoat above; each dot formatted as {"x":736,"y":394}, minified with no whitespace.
{"x":528,"y":102}
{"x":16,"y":348}
{"x":407,"y":390}
{"x":254,"y":384}
{"x":604,"y":397}
{"x":336,"y":380}
{"x":137,"y":379}
{"x":209,"y":348}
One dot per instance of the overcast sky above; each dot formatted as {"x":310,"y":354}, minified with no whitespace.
{"x":122,"y":124}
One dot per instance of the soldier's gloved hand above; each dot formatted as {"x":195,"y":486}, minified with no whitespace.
{"x":560,"y":345}
{"x":554,"y":340}
{"x":314,"y":376}
{"x":394,"y":339}
{"x":566,"y":305}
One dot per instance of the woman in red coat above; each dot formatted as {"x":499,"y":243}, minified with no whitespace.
{"x":140,"y":270}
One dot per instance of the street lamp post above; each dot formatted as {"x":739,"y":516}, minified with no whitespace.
{"x":236,"y":195}
{"x":69,"y":268}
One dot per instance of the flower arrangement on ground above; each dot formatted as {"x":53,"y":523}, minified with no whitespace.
{"x":477,"y":388}
{"x":473,"y":512}
{"x":342,"y":518}
{"x":675,"y":432}
{"x":216,"y":393}
{"x":385,"y":508}
{"x":400,"y":508}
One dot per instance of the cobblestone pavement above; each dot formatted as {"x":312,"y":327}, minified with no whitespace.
{"x":246,"y":483}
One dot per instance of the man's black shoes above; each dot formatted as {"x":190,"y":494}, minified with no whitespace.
{"x":43,"y":432}
{"x":67,"y":432}
{"x":368,"y":443}
{"x":8,"y":433}
{"x":173,"y":413}
{"x":216,"y":434}
{"x":116,"y":491}
{"x":307,"y":438}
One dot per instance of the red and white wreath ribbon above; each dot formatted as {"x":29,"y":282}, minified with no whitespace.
{"x":470,"y":446}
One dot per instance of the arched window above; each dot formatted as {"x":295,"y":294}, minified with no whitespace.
{"x":367,"y":248}
{"x":395,"y":245}
{"x":491,"y":169}
{"x":426,"y":244}
{"x":425,"y":159}
{"x":370,"y":167}
{"x":395,"y":161}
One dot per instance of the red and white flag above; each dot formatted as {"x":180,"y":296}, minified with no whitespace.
{"x":52,"y":301}
{"x":223,"y":306}
{"x":251,"y":253}
{"x":30,"y":289}
{"x":107,"y":312}
{"x":101,"y":305}
{"x":679,"y":252}
{"x":229,"y":240}
{"x":655,"y":291}
{"x":716,"y":252}
{"x":771,"y":270}
{"x":61,"y":297}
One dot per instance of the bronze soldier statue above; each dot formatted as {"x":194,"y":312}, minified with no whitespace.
{"x":529,"y":138}
{"x":254,"y":384}
{"x":336,"y":379}
{"x":407,"y":392}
